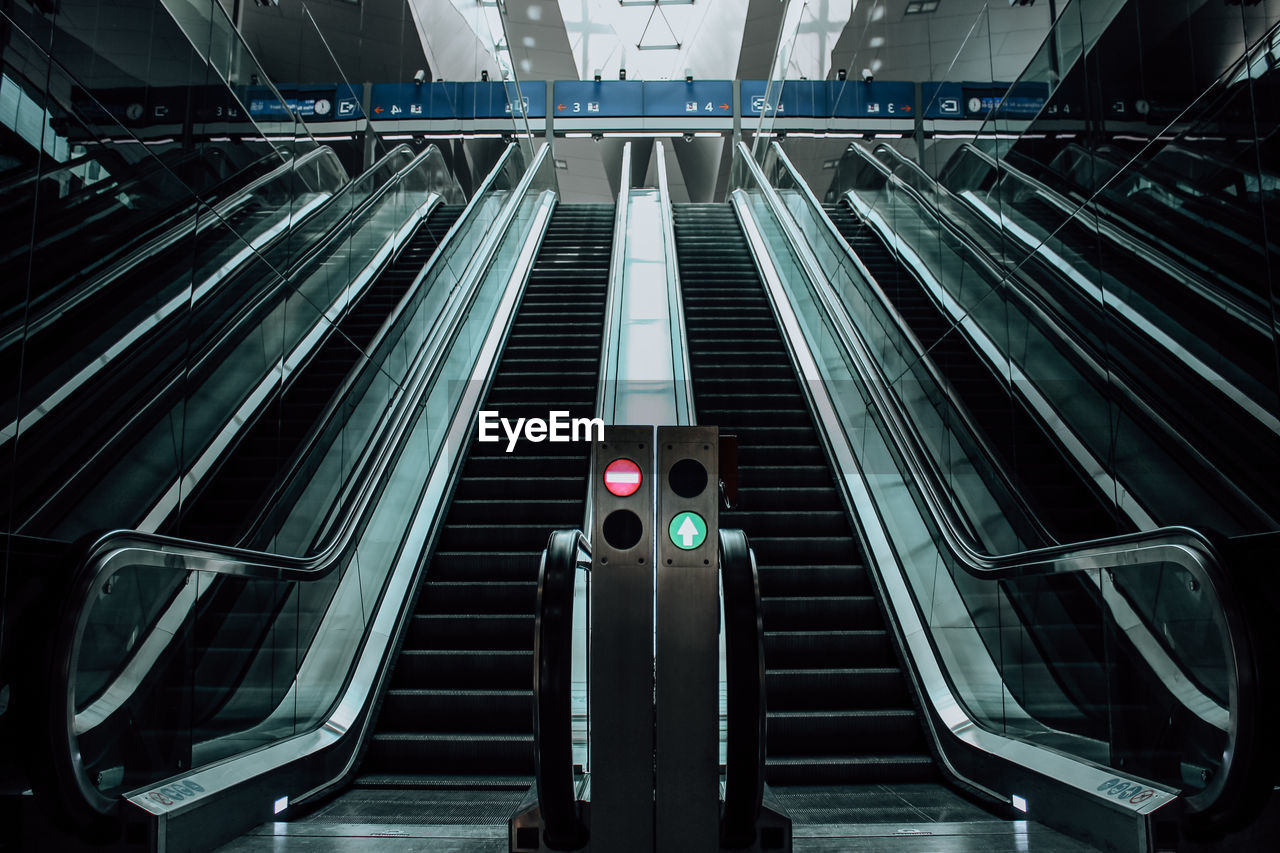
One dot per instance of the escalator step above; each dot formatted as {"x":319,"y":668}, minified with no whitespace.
{"x":477,"y":753}
{"x":460,"y":699}
{"x":840,"y":769}
{"x":839,"y":707}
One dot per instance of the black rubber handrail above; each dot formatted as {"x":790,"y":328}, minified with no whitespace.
{"x":745,"y":683}
{"x":562,"y":824}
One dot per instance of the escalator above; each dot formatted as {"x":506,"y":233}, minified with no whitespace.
{"x":200,"y":338}
{"x":459,"y":698}
{"x":245,"y":498}
{"x":1069,"y":507}
{"x":1145,"y":204}
{"x":1061,"y":505}
{"x":1158,"y":323}
{"x":94,"y":311}
{"x":223,"y":509}
{"x":80,"y":234}
{"x":839,"y":707}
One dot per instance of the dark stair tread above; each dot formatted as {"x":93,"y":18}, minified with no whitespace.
{"x":461,"y":694}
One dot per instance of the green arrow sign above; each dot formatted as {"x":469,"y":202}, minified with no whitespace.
{"x":687,"y":530}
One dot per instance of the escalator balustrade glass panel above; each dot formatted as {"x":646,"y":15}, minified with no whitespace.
{"x":1078,"y":650}
{"x":187,"y":654}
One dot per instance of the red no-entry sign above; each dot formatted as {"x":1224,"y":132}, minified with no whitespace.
{"x":622,"y":477}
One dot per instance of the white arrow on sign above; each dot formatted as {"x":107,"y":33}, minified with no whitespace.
{"x":687,"y":531}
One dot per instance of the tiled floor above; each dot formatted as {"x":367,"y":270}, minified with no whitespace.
{"x":871,"y":818}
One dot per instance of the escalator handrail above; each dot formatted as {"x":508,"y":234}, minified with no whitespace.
{"x":203,"y":468}
{"x":1189,"y":692}
{"x":67,"y":222}
{"x":250,"y":309}
{"x":1124,"y":233}
{"x":1140,"y":324}
{"x":745,"y":687}
{"x":957,"y":410}
{"x":119,"y":693}
{"x":562,"y":824}
{"x":1078,"y":349}
{"x":8,"y":432}
{"x":196,"y":221}
{"x":464,"y":221}
{"x":1185,"y":547}
{"x":17,"y":181}
{"x":114,"y":550}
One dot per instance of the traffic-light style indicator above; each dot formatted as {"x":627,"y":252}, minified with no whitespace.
{"x":688,"y":495}
{"x":688,"y":530}
{"x":622,"y":503}
{"x":622,"y":477}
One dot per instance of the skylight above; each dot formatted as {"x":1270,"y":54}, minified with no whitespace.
{"x":919,"y":7}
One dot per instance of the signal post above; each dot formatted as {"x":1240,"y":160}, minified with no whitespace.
{"x":620,"y":696}
{"x":687,"y":646}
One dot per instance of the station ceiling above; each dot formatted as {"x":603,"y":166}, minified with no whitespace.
{"x":356,"y":41}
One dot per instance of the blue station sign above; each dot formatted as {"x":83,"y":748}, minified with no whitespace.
{"x":332,"y":102}
{"x":829,"y":99}
{"x":802,"y":98}
{"x":983,"y":100}
{"x":604,"y":99}
{"x":485,"y":99}
{"x":877,"y":99}
{"x":703,"y":98}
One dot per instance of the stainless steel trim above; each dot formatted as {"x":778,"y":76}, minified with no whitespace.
{"x":607,"y":378}
{"x":607,"y":384}
{"x":686,"y":414}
